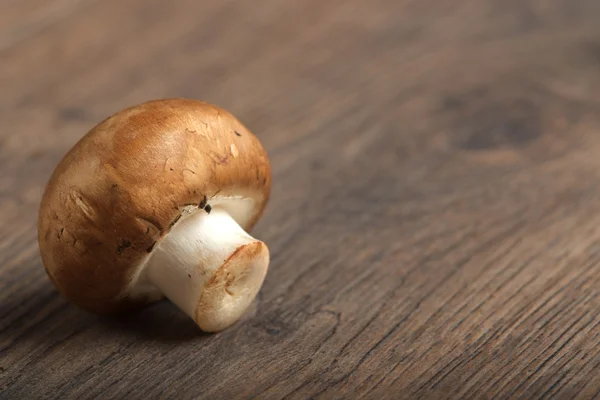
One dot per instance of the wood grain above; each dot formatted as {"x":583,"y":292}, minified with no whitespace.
{"x":435,"y":217}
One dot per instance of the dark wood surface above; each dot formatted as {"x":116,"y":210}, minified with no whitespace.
{"x":435,"y":215}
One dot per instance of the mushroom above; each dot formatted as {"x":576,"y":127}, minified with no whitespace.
{"x":157,"y":201}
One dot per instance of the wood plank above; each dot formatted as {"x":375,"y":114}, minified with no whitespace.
{"x":20,"y":20}
{"x":434,"y":217}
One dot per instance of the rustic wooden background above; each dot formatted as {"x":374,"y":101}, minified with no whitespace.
{"x":435,"y":215}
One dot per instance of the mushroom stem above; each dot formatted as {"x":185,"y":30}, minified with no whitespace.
{"x":210,"y":268}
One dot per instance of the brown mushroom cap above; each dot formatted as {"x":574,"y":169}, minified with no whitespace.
{"x":124,"y":185}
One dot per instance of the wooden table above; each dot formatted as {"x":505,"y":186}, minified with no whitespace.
{"x":435,"y":215}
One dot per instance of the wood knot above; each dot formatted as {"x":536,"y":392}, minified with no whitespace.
{"x":483,"y":122}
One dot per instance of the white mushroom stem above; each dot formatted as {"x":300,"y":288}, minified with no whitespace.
{"x":210,"y":268}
